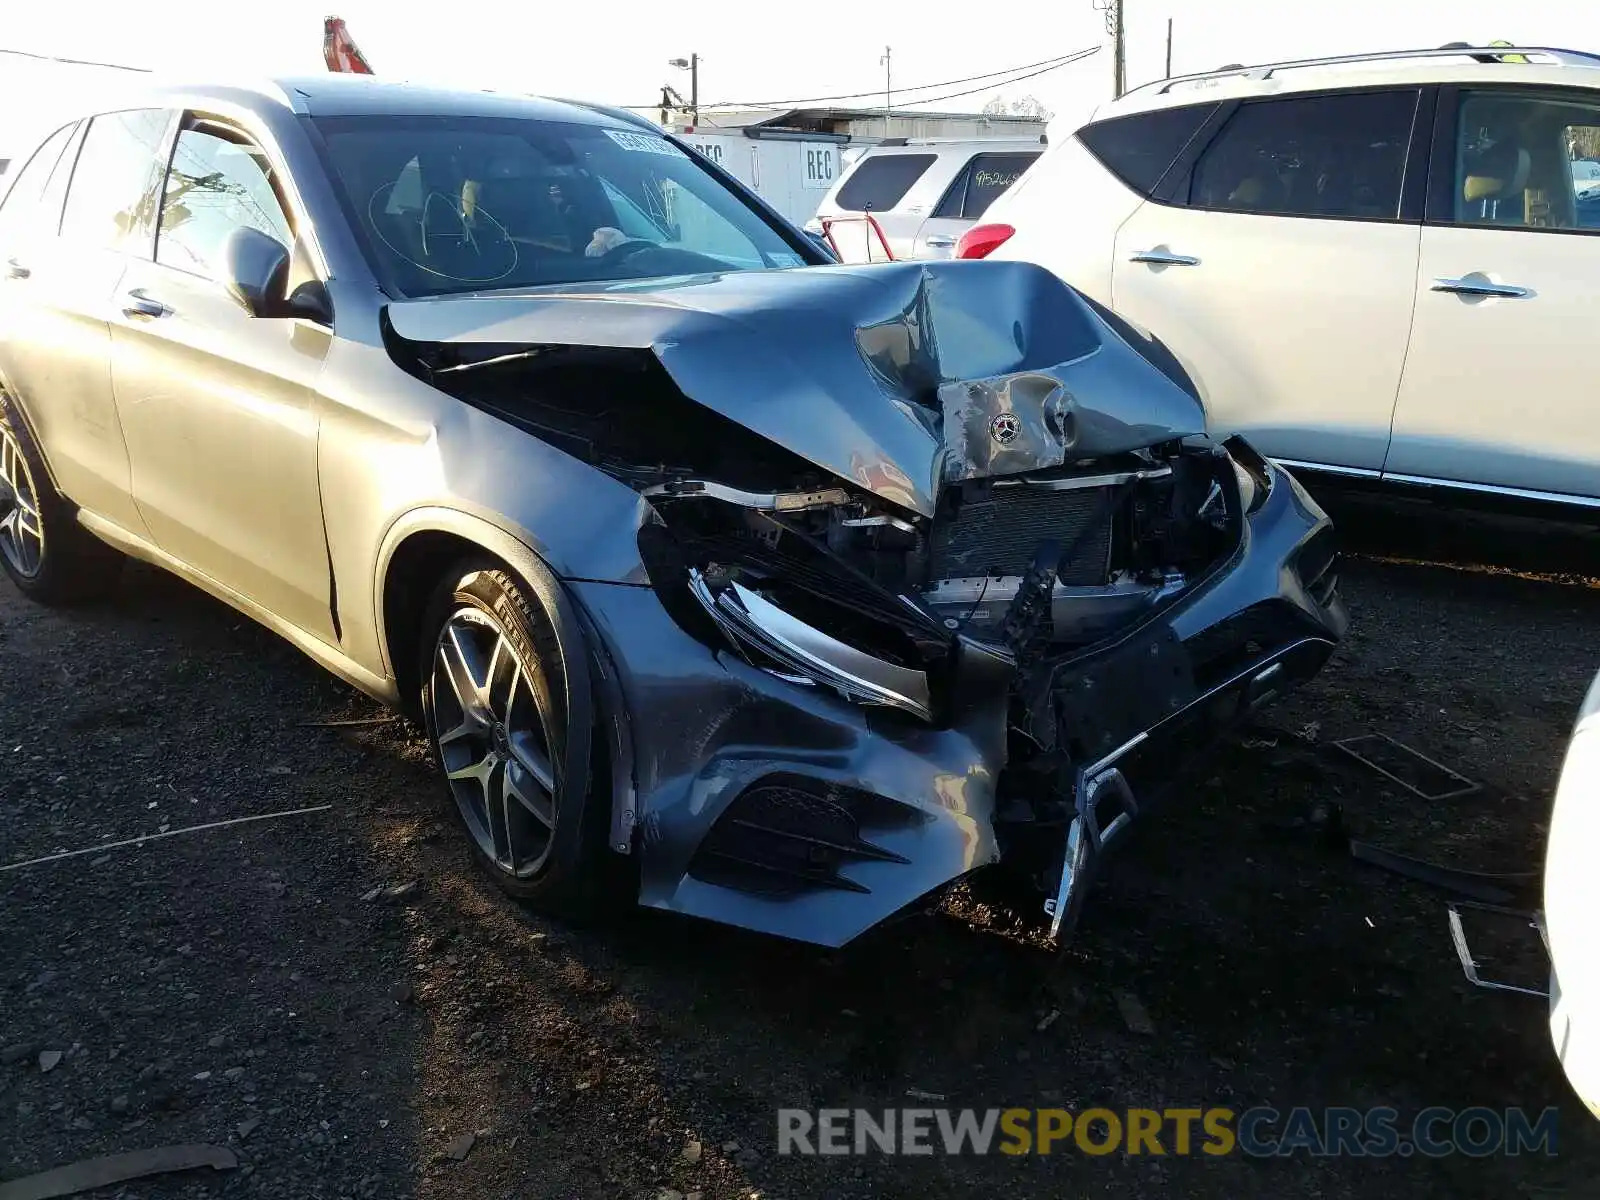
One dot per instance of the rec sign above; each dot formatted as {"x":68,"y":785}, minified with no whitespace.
{"x":819,"y":165}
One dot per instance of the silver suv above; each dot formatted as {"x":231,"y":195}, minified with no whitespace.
{"x":768,"y":591}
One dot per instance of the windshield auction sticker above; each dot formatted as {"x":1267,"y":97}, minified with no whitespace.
{"x":644,"y":143}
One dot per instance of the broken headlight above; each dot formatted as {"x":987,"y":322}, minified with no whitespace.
{"x":807,"y":594}
{"x":804,"y":652}
{"x":1252,"y":471}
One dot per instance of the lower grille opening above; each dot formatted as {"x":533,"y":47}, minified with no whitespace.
{"x":1318,"y":567}
{"x":785,"y":835}
{"x":1229,"y":646}
{"x":1324,"y":587}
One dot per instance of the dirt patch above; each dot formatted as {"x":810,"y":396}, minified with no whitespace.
{"x":237,"y":986}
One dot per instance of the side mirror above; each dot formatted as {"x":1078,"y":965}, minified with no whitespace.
{"x":255,"y":270}
{"x":311,"y":301}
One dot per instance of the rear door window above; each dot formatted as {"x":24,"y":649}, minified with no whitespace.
{"x":1139,"y":148}
{"x":55,"y":191}
{"x":116,"y":185}
{"x":881,"y":181}
{"x":1335,"y":156}
{"x":992,"y":174}
{"x":954,"y":199}
{"x":24,"y":210}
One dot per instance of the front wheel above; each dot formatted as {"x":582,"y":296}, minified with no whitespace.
{"x":493,"y":696}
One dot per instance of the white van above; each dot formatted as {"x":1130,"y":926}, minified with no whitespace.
{"x":922,"y":195}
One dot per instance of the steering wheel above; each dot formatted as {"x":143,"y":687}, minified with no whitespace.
{"x":626,"y":249}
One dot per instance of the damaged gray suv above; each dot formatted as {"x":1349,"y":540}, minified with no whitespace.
{"x":725,"y":579}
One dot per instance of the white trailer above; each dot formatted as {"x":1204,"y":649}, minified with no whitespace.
{"x":791,"y":172}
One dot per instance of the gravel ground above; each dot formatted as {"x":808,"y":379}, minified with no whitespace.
{"x":341,"y":999}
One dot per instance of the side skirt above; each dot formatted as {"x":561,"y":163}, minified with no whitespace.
{"x":328,"y":657}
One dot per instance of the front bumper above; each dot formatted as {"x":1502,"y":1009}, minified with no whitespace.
{"x":782,"y":808}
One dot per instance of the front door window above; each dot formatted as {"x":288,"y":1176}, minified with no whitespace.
{"x":217,"y":184}
{"x":1527,"y":162}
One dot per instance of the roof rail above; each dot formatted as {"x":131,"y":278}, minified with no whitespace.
{"x":1570,"y":58}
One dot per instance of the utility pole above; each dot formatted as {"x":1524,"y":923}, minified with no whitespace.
{"x":691,"y":65}
{"x":1121,"y":48}
{"x":1169,"y":48}
{"x":1115,"y":26}
{"x":888,"y":93}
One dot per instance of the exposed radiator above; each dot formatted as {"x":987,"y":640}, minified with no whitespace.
{"x":1001,"y":534}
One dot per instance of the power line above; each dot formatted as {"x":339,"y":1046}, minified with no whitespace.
{"x":76,"y":62}
{"x":1047,"y":63}
{"x":1082,"y":54}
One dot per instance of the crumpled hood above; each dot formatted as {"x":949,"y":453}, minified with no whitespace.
{"x":900,"y":377}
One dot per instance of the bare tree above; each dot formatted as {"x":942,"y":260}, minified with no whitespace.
{"x":1028,"y":106}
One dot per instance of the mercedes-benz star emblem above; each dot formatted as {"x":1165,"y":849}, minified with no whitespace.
{"x":1005,"y":428}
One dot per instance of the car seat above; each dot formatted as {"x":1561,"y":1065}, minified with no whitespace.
{"x":1490,"y":178}
{"x":1248,"y":193}
{"x":1259,"y":190}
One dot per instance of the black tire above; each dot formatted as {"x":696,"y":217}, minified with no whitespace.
{"x":480,"y":598}
{"x":46,"y":553}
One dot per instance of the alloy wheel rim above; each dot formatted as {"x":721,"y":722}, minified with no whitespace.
{"x":494,"y":742}
{"x":21,"y":530}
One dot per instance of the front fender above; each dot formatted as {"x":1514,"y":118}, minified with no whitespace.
{"x":514,"y":551}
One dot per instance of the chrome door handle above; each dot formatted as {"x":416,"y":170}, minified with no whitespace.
{"x":143,"y":307}
{"x":940,"y":242}
{"x":1163,"y":258}
{"x":15,"y":270}
{"x":1475,"y":287}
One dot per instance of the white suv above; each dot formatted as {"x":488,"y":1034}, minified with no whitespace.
{"x":922,"y":194}
{"x":1381,"y":266}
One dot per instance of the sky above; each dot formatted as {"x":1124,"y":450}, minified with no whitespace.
{"x":617,"y":51}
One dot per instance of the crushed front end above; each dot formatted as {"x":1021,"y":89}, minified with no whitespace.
{"x":1225,"y":578}
{"x":1009,"y":681}
{"x":937,"y":569}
